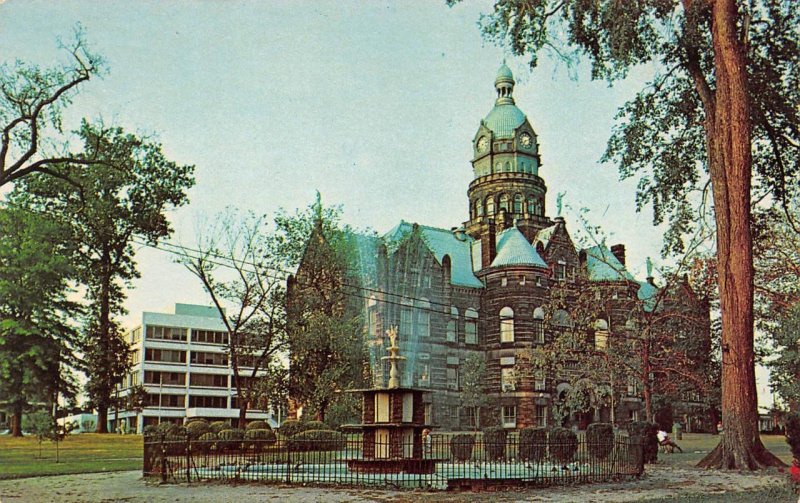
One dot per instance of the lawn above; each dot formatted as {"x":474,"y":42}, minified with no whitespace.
{"x":696,"y":445}
{"x":84,"y":453}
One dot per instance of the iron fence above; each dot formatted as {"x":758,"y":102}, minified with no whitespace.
{"x":446,"y":462}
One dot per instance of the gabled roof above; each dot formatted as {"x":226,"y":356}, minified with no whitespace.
{"x":514,"y":249}
{"x":602,"y":265}
{"x":544,"y":235}
{"x":440,"y":242}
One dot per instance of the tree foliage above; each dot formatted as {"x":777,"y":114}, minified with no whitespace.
{"x":32,"y":100}
{"x":474,"y":392}
{"x":36,"y":335}
{"x":249,"y":295}
{"x":110,"y":205}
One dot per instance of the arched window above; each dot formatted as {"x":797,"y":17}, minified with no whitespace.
{"x":538,"y":325}
{"x":471,"y":326}
{"x":518,"y":204}
{"x":452,"y":325}
{"x":423,"y":318}
{"x":506,"y":325}
{"x":406,"y":319}
{"x":498,"y":167}
{"x":478,"y":208}
{"x":372,"y":307}
{"x":601,"y":335}
{"x":508,"y":167}
{"x":490,"y":206}
{"x":531,"y":205}
{"x":504,"y":202}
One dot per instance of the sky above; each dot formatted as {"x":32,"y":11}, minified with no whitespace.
{"x":373,"y":104}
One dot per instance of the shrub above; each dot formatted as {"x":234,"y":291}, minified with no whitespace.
{"x":290,"y":428}
{"x":461,"y":446}
{"x":230,"y":439}
{"x":168,"y":428}
{"x":258,"y":439}
{"x":195,"y":420}
{"x":600,"y":439}
{"x":317,"y":440}
{"x":315,"y":425}
{"x":793,"y":434}
{"x":533,"y":444}
{"x":646,"y":434}
{"x":196,"y":429}
{"x":258,"y":425}
{"x":494,"y":442}
{"x":563,"y":444}
{"x":150,"y":430}
{"x":218,"y":426}
{"x":205,"y":442}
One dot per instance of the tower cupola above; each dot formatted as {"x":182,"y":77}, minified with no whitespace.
{"x":504,"y":83}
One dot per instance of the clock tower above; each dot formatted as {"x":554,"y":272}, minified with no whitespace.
{"x":506,"y":189}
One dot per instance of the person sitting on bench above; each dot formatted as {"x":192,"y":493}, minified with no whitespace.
{"x":666,"y":442}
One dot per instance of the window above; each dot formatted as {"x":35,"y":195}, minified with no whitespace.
{"x":424,"y":375}
{"x":538,"y":325}
{"x":406,"y":321}
{"x":633,"y":386}
{"x":531,"y":206}
{"x":509,"y":414}
{"x":478,"y":209}
{"x":508,"y":164}
{"x":601,"y":335}
{"x":156,"y":400}
{"x":452,"y":377}
{"x":164,"y":355}
{"x":453,"y":413}
{"x":210,"y":402}
{"x":504,"y":202}
{"x":209,"y":336}
{"x":428,"y":413}
{"x":136,"y":335}
{"x":381,"y":407}
{"x":471,"y":326}
{"x":506,"y":325}
{"x":470,"y":417}
{"x":490,"y":206}
{"x":508,"y":379}
{"x":136,"y":356}
{"x":561,"y":270}
{"x":541,"y":416}
{"x":423,"y":318}
{"x":208,"y":380}
{"x":166,"y":333}
{"x":164,"y":378}
{"x":204,"y":358}
{"x":518,"y":204}
{"x":451,"y":331}
{"x":539,"y":381}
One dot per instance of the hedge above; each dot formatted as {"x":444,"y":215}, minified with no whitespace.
{"x":563,"y":444}
{"x":205,"y":443}
{"x":315,"y":425}
{"x":195,"y":429}
{"x":647,"y":435}
{"x":461,"y":446}
{"x":258,"y":425}
{"x":793,"y":434}
{"x":317,"y":440}
{"x":533,"y":444}
{"x":290,"y":427}
{"x":259,"y":439}
{"x":218,"y":426}
{"x":600,"y":439}
{"x":230,"y":439}
{"x":494,"y":442}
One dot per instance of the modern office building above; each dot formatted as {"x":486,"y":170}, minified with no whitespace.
{"x":182,"y":361}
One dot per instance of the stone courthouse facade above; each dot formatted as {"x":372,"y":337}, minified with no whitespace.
{"x":482,"y":289}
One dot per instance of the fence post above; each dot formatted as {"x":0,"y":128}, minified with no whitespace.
{"x":188,"y":458}
{"x":163,"y":460}
{"x":288,"y":461}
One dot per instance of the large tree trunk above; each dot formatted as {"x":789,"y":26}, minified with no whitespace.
{"x":647,"y":389}
{"x":728,"y":137}
{"x":16,"y":422}
{"x":104,"y":390}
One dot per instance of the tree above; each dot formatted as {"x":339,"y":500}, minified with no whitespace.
{"x":473,"y":395}
{"x":724,"y":101}
{"x":31,"y":103}
{"x":36,"y":336}
{"x":117,"y":201}
{"x":250,"y":301}
{"x":323,"y":307}
{"x":785,"y":368}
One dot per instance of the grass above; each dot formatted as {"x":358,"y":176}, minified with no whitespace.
{"x":696,"y":445}
{"x":84,"y":453}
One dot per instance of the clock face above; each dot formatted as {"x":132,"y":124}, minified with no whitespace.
{"x":525,"y":140}
{"x":483,"y":143}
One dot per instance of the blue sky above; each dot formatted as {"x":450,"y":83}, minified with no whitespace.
{"x":374,"y":104}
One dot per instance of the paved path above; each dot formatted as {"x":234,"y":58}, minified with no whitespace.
{"x":660,"y":482}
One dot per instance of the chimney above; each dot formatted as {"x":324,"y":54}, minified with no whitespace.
{"x":619,"y":252}
{"x":488,"y":245}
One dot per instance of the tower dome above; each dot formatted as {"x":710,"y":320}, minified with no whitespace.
{"x":505,"y":117}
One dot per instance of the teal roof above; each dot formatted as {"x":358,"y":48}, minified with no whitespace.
{"x":441,"y":242}
{"x":514,"y":249}
{"x":602,"y":265}
{"x":504,"y":119}
{"x":647,"y":294}
{"x":504,"y":73}
{"x":544,"y":235}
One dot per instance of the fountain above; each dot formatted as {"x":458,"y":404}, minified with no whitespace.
{"x":393,"y":419}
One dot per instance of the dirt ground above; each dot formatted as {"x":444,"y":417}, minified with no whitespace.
{"x":660,"y":482}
